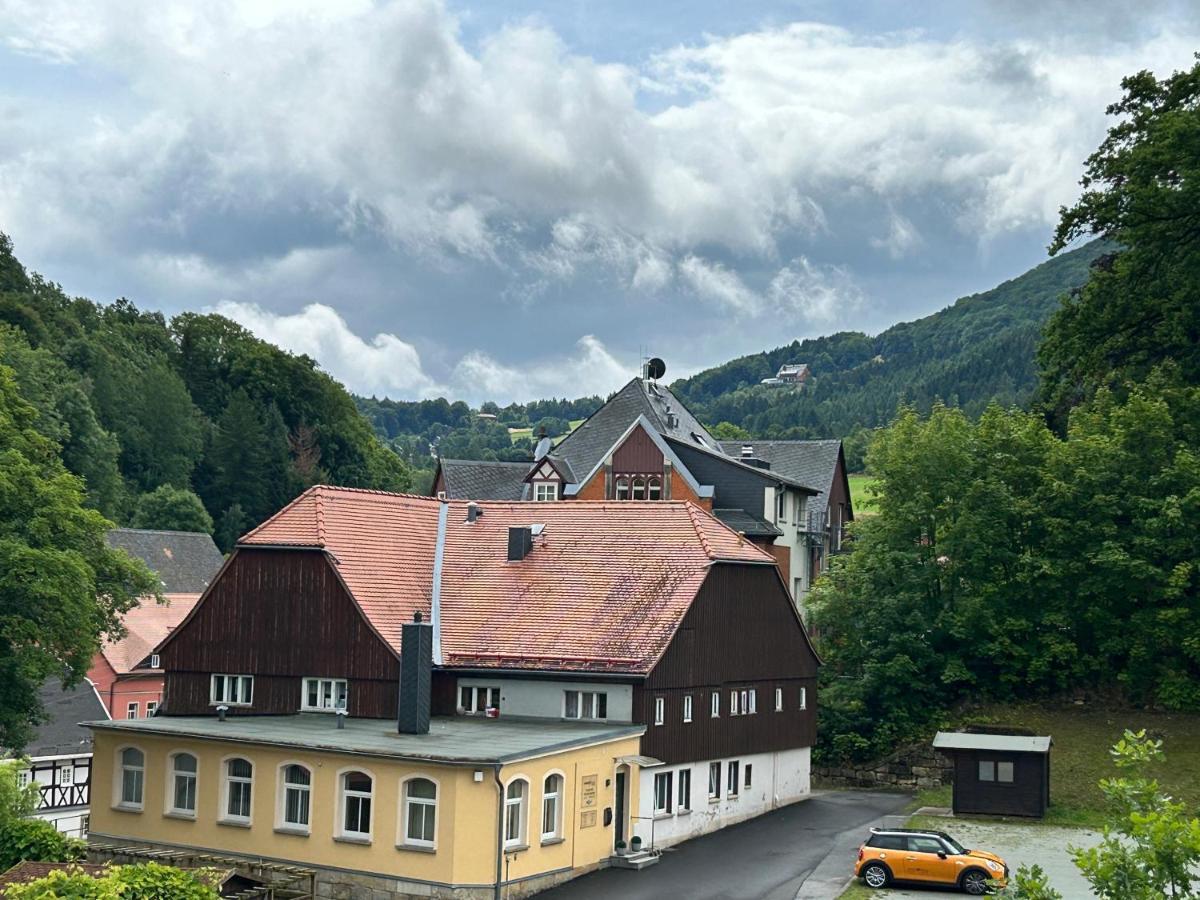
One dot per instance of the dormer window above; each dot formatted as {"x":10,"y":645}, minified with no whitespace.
{"x":622,"y":488}
{"x":545,"y":490}
{"x":653,"y":488}
{"x":639,"y":489}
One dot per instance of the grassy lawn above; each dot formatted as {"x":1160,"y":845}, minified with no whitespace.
{"x":515,"y":434}
{"x":864,"y":504}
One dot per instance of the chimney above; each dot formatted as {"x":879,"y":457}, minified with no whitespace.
{"x":520,"y":542}
{"x":472,"y":512}
{"x":416,"y":675}
{"x":747,"y":450}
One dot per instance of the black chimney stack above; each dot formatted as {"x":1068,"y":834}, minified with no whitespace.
{"x":520,"y":542}
{"x":416,"y":675}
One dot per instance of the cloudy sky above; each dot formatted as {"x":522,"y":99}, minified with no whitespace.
{"x":514,"y":200}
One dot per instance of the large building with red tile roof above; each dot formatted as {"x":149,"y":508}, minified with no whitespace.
{"x":651,"y":615}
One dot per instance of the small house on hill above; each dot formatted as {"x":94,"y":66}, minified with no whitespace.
{"x":998,"y":774}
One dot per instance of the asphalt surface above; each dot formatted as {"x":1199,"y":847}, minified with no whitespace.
{"x":808,"y":845}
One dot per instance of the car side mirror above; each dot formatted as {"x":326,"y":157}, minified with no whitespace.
{"x":941,"y":854}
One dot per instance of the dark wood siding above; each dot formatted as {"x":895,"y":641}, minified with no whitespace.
{"x":279,"y":615}
{"x":741,"y":632}
{"x":639,"y":455}
{"x":1027,"y":795}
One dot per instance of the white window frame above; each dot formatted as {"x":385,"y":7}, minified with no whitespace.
{"x":521,"y":805}
{"x":585,"y":701}
{"x":684,"y":791}
{"x":224,"y":816}
{"x":654,"y":489}
{"x":715,"y":705}
{"x":664,"y":791}
{"x":124,"y":770}
{"x":991,"y":770}
{"x":545,"y":491}
{"x":133,"y":707}
{"x":554,"y":832}
{"x":733,"y":702}
{"x":747,"y":770}
{"x":243,"y":686}
{"x":282,"y":823}
{"x":151,"y":708}
{"x":621,"y":488}
{"x":749,"y":701}
{"x":345,"y":794}
{"x":1012,"y":771}
{"x":714,"y":781}
{"x":660,"y":710}
{"x":733,"y":781}
{"x":687,"y":708}
{"x":155,"y":661}
{"x":481,"y":699}
{"x":779,"y":699}
{"x":804,"y":698}
{"x":407,"y":801}
{"x":66,"y":775}
{"x":331,"y":689}
{"x":174,"y":774}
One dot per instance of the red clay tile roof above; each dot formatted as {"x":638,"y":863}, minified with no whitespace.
{"x":604,"y":588}
{"x":145,"y":628}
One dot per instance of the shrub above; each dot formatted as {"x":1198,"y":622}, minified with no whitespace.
{"x":37,"y":840}
{"x":145,"y":881}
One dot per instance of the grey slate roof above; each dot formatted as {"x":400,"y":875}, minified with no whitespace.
{"x":1012,"y":743}
{"x":185,"y":561}
{"x":587,"y":444}
{"x":813,"y":463}
{"x":749,"y":525}
{"x":472,"y":479}
{"x":61,"y":734}
{"x":454,"y":740}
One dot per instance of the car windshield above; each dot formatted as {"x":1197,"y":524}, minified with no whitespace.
{"x":957,"y":848}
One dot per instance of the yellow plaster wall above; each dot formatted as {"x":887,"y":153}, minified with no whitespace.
{"x":466,"y":822}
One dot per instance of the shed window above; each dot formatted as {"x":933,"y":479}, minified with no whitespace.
{"x":1004,"y":772}
{"x":987,"y":770}
{"x":778,"y":699}
{"x":804,"y":698}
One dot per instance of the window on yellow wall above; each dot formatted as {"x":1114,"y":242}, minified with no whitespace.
{"x":356,"y":805}
{"x":183,"y":784}
{"x":552,"y":790}
{"x":297,"y":794}
{"x":420,"y":812}
{"x":515,"y":813}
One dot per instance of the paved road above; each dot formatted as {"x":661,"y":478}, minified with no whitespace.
{"x":768,"y":858}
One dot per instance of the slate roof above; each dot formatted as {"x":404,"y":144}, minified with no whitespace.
{"x":185,"y":561}
{"x":145,"y":628}
{"x":813,"y":463}
{"x":750,"y":525}
{"x":1012,"y":743}
{"x":455,"y":740}
{"x":591,"y":441}
{"x":604,"y":589}
{"x":61,"y":733}
{"x":471,"y":479}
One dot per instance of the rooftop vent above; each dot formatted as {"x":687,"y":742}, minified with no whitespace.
{"x":520,"y":542}
{"x":473,"y":511}
{"x":747,"y":449}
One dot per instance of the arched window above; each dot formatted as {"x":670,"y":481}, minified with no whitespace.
{"x":516,"y":800}
{"x":239,"y":781}
{"x":622,"y":492}
{"x":552,"y":791}
{"x":639,"y":489}
{"x":297,"y":797}
{"x":133,"y":776}
{"x":356,"y":805}
{"x":420,"y":812}
{"x":654,"y":488}
{"x":183,"y":784}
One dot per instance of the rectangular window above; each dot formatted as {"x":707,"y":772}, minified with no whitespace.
{"x":687,"y":708}
{"x":733,"y":778}
{"x":733,"y":703}
{"x":1004,"y":772}
{"x":585,"y":705}
{"x":716,"y":704}
{"x":749,"y":769}
{"x":324,"y":694}
{"x":131,"y":710}
{"x":804,"y":698}
{"x":151,"y":708}
{"x":714,"y":780}
{"x":155,"y":661}
{"x":750,"y":701}
{"x":782,"y":505}
{"x":685,"y":790}
{"x":660,"y":710}
{"x":545,"y":490}
{"x":778,"y":699}
{"x":232,"y":690}
{"x":476,"y":701}
{"x":987,"y":770}
{"x":662,"y":793}
{"x":66,"y":775}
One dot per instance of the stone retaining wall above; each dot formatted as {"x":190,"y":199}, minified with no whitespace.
{"x":914,"y":768}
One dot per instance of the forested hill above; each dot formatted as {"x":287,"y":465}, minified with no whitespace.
{"x":980,"y":348}
{"x":193,"y":423}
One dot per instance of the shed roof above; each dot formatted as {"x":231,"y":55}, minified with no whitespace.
{"x":453,"y":740}
{"x":1010,"y":743}
{"x":184,"y":561}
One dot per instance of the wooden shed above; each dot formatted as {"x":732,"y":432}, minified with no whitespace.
{"x":998,"y":774}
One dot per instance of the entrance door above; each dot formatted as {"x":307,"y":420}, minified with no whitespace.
{"x":619,"y":830}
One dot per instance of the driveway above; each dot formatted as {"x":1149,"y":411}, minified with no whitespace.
{"x":768,"y":858}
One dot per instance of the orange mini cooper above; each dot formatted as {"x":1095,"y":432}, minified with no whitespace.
{"x":927,"y":857}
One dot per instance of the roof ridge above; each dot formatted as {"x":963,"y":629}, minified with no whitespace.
{"x":320,"y":518}
{"x":693,"y":511}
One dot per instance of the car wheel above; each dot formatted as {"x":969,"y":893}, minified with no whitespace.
{"x":876,"y":875}
{"x":975,"y":882}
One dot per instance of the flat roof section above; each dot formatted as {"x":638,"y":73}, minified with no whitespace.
{"x":1011,"y":743}
{"x":452,"y":740}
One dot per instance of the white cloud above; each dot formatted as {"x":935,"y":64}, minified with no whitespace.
{"x":718,"y":284}
{"x":820,"y":294}
{"x":590,"y":369}
{"x":901,"y":239}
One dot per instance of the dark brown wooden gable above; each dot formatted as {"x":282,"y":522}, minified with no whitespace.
{"x":741,"y":632}
{"x":638,"y":455}
{"x":279,"y":615}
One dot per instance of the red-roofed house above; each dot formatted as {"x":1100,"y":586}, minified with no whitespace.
{"x":653,"y":614}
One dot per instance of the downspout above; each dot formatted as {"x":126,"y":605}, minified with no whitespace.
{"x":435,"y":612}
{"x":499,"y":831}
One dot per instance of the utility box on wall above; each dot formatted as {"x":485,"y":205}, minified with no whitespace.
{"x":998,"y":774}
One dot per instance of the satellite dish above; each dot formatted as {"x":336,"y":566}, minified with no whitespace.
{"x":656,"y":368}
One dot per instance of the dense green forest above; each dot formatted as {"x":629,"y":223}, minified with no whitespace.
{"x":181,"y":424}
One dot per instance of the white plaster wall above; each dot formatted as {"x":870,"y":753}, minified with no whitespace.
{"x":779,"y":779}
{"x":544,"y":699}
